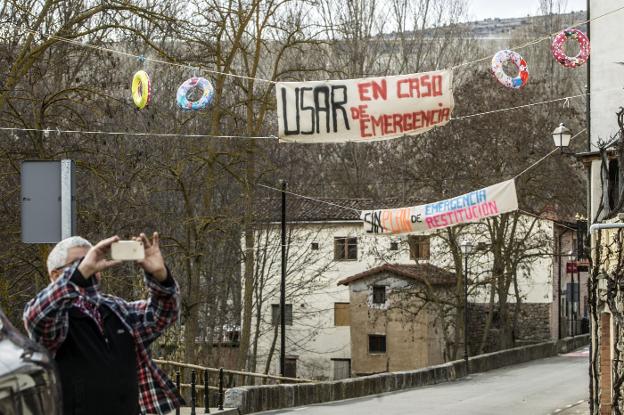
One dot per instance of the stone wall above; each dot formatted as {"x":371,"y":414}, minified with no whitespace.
{"x":250,"y":399}
{"x":533,"y":325}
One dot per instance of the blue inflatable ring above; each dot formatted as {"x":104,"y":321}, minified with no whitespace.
{"x":205,"y":100}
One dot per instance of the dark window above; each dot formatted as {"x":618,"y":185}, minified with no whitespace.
{"x":376,"y":343}
{"x":345,"y":248}
{"x":419,"y":246}
{"x":290,"y":367}
{"x":275,"y":314}
{"x":314,"y":246}
{"x":613,"y":185}
{"x":379,"y":295}
{"x":394,"y":246}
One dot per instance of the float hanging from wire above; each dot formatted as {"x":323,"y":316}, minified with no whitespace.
{"x":141,"y":89}
{"x":498,"y":62}
{"x":207,"y":94}
{"x":559,"y":54}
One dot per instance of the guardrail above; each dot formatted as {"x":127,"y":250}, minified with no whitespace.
{"x":251,"y":399}
{"x":200,"y":380}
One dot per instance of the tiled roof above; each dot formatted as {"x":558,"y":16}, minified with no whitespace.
{"x":425,"y":273}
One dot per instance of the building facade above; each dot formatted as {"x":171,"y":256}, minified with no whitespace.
{"x":328,"y":246}
{"x":397,"y":315}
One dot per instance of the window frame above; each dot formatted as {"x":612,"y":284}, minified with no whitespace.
{"x":371,"y":341}
{"x":377,"y":289}
{"x":419,"y":247}
{"x":347,"y":242}
{"x":347,"y":318}
{"x":275,"y":316}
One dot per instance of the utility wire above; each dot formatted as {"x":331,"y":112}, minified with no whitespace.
{"x":149,"y":134}
{"x":138,"y":134}
{"x":546,"y":156}
{"x":188,"y":66}
{"x":310,"y":198}
{"x":539,"y":40}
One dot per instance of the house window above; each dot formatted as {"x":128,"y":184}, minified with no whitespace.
{"x":275,"y":314}
{"x":342,"y":368}
{"x":345,"y":248}
{"x":376,"y":343}
{"x":419,"y":246}
{"x":341,"y":314}
{"x":379,"y":294}
{"x":394,"y":246}
{"x":314,"y":246}
{"x":290,"y":367}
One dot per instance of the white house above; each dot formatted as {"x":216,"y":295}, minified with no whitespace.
{"x":328,"y":244}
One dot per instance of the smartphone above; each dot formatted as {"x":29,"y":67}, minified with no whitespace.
{"x":127,"y":251}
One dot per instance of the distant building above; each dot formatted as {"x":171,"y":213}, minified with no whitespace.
{"x":396,"y":322}
{"x":328,"y":244}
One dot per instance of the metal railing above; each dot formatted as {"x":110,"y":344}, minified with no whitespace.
{"x":202,"y":382}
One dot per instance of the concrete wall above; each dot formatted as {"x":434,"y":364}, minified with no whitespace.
{"x":250,"y":399}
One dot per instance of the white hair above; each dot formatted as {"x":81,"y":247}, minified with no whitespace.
{"x":58,"y":255}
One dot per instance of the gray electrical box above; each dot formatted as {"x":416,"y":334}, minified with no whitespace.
{"x":47,"y":201}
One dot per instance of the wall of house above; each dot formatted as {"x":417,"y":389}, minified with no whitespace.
{"x":607,"y":71}
{"x":414,"y":335}
{"x":314,"y":339}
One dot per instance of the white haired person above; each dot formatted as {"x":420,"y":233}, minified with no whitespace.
{"x":101,"y":342}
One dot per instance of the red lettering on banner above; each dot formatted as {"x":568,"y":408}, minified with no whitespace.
{"x":385,"y":124}
{"x":379,"y":90}
{"x":420,"y":87}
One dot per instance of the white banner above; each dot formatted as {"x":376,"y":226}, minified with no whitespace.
{"x":366,"y":109}
{"x":470,"y":207}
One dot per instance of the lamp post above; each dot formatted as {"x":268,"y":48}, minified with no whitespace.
{"x":561,"y":136}
{"x":467,"y":248}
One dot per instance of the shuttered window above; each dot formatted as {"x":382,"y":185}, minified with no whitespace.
{"x":419,"y":247}
{"x":341,"y":314}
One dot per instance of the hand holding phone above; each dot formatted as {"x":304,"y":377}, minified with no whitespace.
{"x":127,"y":251}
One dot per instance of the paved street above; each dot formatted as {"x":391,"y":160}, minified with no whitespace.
{"x":556,"y":385}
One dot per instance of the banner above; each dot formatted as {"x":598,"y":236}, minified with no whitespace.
{"x":471,"y":207}
{"x":366,"y":109}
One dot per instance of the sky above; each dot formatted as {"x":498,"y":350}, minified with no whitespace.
{"x":483,"y":9}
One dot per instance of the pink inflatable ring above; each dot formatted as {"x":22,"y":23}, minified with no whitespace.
{"x":559,"y":54}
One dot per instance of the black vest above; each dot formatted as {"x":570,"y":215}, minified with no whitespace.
{"x":98,"y":372}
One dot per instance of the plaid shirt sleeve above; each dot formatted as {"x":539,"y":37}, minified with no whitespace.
{"x":159,"y":311}
{"x":45,"y":316}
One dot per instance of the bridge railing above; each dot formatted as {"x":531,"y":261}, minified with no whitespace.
{"x":222,"y":379}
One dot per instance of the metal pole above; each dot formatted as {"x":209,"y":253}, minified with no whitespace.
{"x":67,"y":214}
{"x":466,"y":311}
{"x":283,"y":286}
{"x":206,"y":393}
{"x":177,"y":377}
{"x":193,"y":391}
{"x":577,"y":303}
{"x":221,"y":389}
{"x":559,"y":286}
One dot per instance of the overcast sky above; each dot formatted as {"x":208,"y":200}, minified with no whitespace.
{"x":482,"y":9}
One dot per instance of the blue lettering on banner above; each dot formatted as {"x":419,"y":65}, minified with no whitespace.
{"x":459,"y":202}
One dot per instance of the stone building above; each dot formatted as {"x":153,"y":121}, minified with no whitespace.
{"x":396,"y":320}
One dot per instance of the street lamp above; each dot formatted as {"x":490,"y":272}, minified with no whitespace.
{"x":562,"y":136}
{"x":467,"y":248}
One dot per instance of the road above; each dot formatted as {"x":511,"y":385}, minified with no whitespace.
{"x":542,"y":387}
